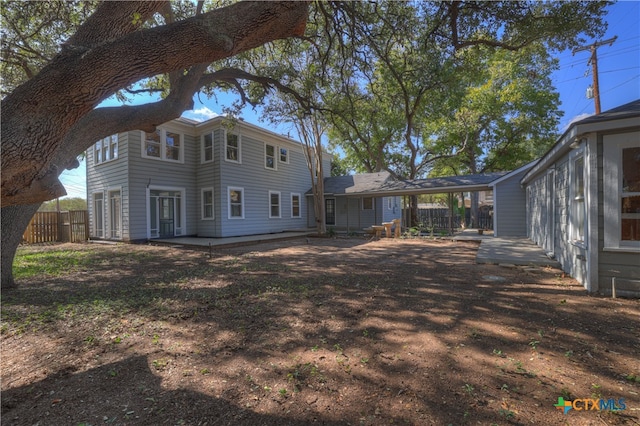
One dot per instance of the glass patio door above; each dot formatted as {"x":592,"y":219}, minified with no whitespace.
{"x":166,"y":210}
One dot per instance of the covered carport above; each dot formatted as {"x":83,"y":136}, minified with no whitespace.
{"x":508,"y":196}
{"x":440,"y":185}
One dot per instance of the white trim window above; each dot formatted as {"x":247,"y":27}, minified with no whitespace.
{"x":207,"y":203}
{"x":163,"y":145}
{"x":284,"y":155}
{"x":236,"y":202}
{"x":274,"y":205}
{"x":270,"y":157}
{"x":106,"y":149}
{"x":578,"y":205}
{"x":98,"y":214}
{"x":206,"y":148}
{"x":621,"y":166}
{"x":233,"y":148}
{"x":296,"y":211}
{"x":367,"y":203}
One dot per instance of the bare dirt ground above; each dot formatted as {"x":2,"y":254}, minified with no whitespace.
{"x":333,"y":332}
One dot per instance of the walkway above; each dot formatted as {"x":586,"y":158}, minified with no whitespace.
{"x":513,"y":251}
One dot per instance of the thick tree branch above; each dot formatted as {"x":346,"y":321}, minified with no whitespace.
{"x":74,"y":83}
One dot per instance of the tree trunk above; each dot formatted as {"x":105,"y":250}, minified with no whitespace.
{"x":474,"y":198}
{"x":14,"y":222}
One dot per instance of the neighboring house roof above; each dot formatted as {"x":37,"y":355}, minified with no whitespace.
{"x":618,"y":118}
{"x":382,"y":184}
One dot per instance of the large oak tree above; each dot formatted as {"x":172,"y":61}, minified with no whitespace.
{"x":53,"y":117}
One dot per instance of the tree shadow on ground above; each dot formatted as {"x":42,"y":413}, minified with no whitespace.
{"x":128,"y":392}
{"x":385,"y":332}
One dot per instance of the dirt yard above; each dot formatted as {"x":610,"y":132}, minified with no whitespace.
{"x":329,"y":331}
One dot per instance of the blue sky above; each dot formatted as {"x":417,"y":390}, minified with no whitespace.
{"x":618,"y":69}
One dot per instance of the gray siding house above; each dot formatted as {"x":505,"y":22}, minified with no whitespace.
{"x":196,"y":179}
{"x":583,"y":201}
{"x":352,"y":203}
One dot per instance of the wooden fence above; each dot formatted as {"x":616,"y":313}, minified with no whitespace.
{"x":45,"y":227}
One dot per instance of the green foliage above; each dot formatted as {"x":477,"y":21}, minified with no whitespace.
{"x":66,"y":204}
{"x":33,"y":38}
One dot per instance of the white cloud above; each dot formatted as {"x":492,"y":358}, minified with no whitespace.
{"x":200,"y":114}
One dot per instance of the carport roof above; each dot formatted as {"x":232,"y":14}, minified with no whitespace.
{"x":382,"y":184}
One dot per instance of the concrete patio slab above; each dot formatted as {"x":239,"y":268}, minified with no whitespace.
{"x":513,"y":251}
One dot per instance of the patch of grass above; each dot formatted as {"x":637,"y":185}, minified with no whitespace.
{"x":160,"y":364}
{"x":28,"y":264}
{"x":566,"y":394}
{"x":468,"y":388}
{"x":596,"y":390}
{"x":507,"y":414}
{"x":632,"y":378}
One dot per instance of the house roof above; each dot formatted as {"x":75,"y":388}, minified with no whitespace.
{"x":630,"y":109}
{"x":619,"y":118}
{"x":477,"y":182}
{"x":382,"y":184}
{"x":355,"y":184}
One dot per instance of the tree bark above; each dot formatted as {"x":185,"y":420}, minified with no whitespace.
{"x":14,"y":220}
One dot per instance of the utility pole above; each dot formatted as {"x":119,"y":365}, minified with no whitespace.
{"x":593,"y":61}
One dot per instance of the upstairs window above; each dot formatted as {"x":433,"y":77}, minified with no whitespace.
{"x":152,"y":144}
{"x":232,"y":148}
{"x":206,"y":152}
{"x":106,"y":149}
{"x":270,"y":156}
{"x":163,"y":145}
{"x":173,"y":146}
{"x":284,"y":155}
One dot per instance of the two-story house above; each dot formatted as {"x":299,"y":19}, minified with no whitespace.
{"x":209,"y":179}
